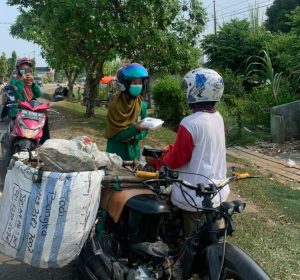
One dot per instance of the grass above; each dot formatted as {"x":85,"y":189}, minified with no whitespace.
{"x":246,"y":138}
{"x":75,"y":111}
{"x":270,"y":233}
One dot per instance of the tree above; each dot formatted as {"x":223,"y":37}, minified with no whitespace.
{"x":33,"y":62}
{"x":32,"y":28}
{"x":3,"y":65}
{"x":278,"y":19}
{"x":153,"y":32}
{"x":11,"y":63}
{"x":233,"y":44}
{"x":295,"y":21}
{"x":111,"y":67}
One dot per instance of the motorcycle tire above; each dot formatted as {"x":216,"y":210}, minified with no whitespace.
{"x":92,"y":267}
{"x":237,"y":265}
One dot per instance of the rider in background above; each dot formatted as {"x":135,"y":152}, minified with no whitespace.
{"x":26,"y":89}
{"x":200,"y":143}
{"x":125,"y":112}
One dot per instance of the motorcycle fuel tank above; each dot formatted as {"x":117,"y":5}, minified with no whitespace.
{"x":148,"y":204}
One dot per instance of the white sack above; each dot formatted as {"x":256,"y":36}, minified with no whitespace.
{"x":46,"y":225}
{"x":78,"y":154}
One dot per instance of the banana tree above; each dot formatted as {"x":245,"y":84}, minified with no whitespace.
{"x":262,"y":66}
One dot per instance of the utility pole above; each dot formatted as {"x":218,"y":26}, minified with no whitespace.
{"x":215,"y":17}
{"x":34,"y":58}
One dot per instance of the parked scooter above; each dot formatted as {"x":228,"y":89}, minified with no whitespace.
{"x":8,"y":92}
{"x":60,"y":93}
{"x":24,"y":133}
{"x":138,"y":234}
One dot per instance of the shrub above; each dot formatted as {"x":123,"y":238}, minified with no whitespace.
{"x":170,"y":100}
{"x":233,"y":86}
{"x":46,"y":79}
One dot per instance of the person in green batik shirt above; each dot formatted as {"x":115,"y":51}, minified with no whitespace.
{"x":125,"y":112}
{"x":26,"y":88}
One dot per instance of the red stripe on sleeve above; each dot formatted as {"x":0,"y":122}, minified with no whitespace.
{"x":179,"y":154}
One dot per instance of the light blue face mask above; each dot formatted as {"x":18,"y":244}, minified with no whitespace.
{"x":135,"y":90}
{"x":21,"y":72}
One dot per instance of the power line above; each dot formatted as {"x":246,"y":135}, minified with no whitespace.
{"x":249,"y":7}
{"x":208,"y":6}
{"x":10,"y":23}
{"x":241,"y":12}
{"x":227,"y":7}
{"x":215,"y":18}
{"x":257,"y":2}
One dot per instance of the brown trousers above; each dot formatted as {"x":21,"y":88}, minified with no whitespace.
{"x":189,"y":220}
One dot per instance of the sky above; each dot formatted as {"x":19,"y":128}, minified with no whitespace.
{"x":229,"y":9}
{"x":225,"y":10}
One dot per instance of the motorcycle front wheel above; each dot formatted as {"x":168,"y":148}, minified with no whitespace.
{"x":91,"y":267}
{"x":237,"y":264}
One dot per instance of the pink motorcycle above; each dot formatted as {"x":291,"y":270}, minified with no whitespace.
{"x":25,"y":132}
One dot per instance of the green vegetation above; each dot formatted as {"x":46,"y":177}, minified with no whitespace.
{"x":73,"y":110}
{"x":270,"y":230}
{"x":170,"y":100}
{"x":109,"y":38}
{"x":278,"y":15}
{"x":84,"y":34}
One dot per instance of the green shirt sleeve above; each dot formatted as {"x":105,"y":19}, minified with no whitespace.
{"x":19,"y":95}
{"x":126,"y":134}
{"x":19,"y":92}
{"x":131,"y":131}
{"x":36,"y":90}
{"x":144,"y":114}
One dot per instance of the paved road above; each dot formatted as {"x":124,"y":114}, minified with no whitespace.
{"x":3,"y":127}
{"x":11,"y":269}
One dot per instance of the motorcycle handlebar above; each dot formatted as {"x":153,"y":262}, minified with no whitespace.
{"x":159,"y":177}
{"x":147,"y":175}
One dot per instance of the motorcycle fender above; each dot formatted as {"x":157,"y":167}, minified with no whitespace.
{"x":24,"y":144}
{"x":236,"y":260}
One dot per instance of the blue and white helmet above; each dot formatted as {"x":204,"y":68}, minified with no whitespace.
{"x":202,"y":85}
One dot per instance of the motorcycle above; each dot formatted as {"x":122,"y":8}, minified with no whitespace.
{"x":8,"y":93}
{"x":60,"y":93}
{"x":24,"y":133}
{"x":137,"y":234}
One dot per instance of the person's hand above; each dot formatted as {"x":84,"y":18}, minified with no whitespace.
{"x":150,"y":160}
{"x":139,"y":126}
{"x":29,"y":78}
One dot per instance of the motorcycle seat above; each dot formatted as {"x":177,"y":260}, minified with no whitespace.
{"x":114,"y":201}
{"x":152,"y":152}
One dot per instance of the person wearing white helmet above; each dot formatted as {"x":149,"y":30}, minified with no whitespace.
{"x":200,"y":143}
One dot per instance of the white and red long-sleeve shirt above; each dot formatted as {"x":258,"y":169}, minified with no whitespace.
{"x":199,"y":148}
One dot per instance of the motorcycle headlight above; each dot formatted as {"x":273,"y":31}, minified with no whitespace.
{"x":28,"y":133}
{"x":227,"y":207}
{"x":239,"y":206}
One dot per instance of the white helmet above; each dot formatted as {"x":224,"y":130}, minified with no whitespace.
{"x":202,"y":85}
